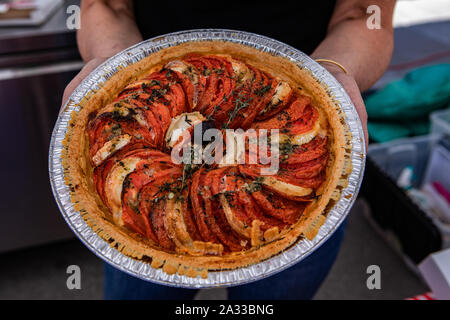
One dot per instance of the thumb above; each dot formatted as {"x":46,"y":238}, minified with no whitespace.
{"x":85,"y":71}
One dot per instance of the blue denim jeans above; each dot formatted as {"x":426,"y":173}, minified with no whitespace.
{"x":300,"y":281}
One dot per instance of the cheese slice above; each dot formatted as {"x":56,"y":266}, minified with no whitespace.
{"x":282,"y":91}
{"x":177,"y":231}
{"x":302,"y":138}
{"x":110,"y":147}
{"x":237,"y":225}
{"x":180,"y":124}
{"x":113,"y":185}
{"x":185,"y":68}
{"x":285,"y":188}
{"x":123,"y":110}
{"x":243,"y":73}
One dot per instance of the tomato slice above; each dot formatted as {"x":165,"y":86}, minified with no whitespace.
{"x":157,"y":218}
{"x":272,"y":205}
{"x":281,"y":120}
{"x":198,"y":208}
{"x":254,"y":212}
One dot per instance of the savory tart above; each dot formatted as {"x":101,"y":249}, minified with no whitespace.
{"x":191,"y":218}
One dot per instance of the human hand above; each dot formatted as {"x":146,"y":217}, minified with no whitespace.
{"x":352,"y":89}
{"x":108,"y":28}
{"x":85,"y":71}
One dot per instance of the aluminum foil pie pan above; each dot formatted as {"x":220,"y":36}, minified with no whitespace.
{"x":254,"y":272}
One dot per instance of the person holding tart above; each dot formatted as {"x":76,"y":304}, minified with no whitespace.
{"x":218,"y":212}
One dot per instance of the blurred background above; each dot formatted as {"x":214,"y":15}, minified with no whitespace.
{"x":402,"y":215}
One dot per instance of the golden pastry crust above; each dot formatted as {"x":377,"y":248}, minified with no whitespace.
{"x":79,"y":172}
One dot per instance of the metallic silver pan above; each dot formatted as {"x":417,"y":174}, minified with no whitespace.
{"x":278,"y":263}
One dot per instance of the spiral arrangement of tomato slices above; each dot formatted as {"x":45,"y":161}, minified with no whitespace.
{"x":205,"y":209}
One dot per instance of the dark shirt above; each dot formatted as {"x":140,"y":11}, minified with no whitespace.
{"x":301,"y":24}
